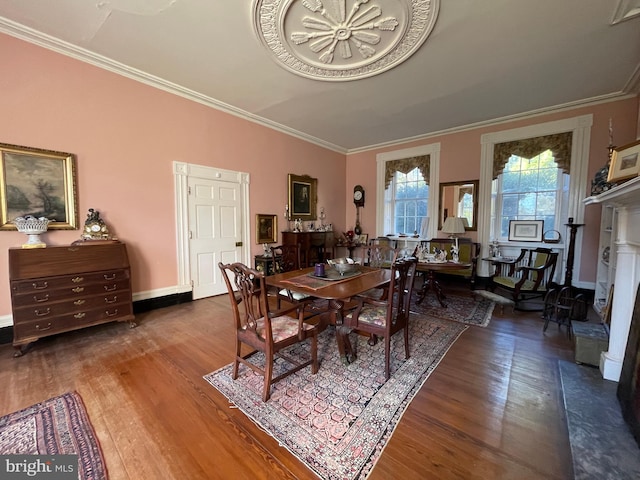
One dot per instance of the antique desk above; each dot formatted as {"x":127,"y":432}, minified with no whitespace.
{"x":336,"y":292}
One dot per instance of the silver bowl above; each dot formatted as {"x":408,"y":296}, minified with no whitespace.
{"x":343,"y":265}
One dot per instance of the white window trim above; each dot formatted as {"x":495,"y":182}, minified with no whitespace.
{"x":581,"y":128}
{"x":433,"y":150}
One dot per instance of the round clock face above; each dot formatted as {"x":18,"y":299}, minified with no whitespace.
{"x":95,"y":228}
{"x":357,"y":195}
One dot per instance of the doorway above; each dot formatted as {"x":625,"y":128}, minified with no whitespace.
{"x":212,"y":208}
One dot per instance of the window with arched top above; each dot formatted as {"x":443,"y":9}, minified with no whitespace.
{"x":531,"y":179}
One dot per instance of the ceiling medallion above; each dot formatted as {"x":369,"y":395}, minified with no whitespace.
{"x":341,"y":40}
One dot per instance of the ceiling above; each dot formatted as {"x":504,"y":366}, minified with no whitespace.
{"x":481,"y":61}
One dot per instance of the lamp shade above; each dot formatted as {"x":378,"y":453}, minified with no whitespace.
{"x":453,"y":225}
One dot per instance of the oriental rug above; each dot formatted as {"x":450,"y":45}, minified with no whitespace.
{"x":338,"y":421}
{"x":460,"y":308}
{"x":58,"y":426}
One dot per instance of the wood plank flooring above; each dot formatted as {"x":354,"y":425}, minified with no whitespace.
{"x":492,"y":409}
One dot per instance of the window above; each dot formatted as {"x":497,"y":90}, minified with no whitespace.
{"x":406,"y":202}
{"x":529,"y":189}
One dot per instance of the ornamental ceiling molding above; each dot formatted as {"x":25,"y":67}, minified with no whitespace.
{"x":342,"y":40}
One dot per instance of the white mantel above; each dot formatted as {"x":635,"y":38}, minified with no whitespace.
{"x":626,"y":198}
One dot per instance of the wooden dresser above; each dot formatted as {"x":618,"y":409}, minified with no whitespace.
{"x":60,"y":289}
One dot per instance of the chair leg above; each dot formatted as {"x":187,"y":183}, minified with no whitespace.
{"x":268,"y":374}
{"x":406,"y":341}
{"x":236,"y":362}
{"x":314,"y":352}
{"x":387,"y":356}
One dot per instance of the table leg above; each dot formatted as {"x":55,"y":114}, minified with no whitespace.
{"x":431,"y":283}
{"x":347,"y":355}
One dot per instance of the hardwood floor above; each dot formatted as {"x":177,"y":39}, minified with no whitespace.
{"x":492,"y":409}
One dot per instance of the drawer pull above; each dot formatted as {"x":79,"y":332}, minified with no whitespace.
{"x":48,"y":327}
{"x":79,"y":302}
{"x":110,"y":288}
{"x":42,"y":313}
{"x":77,"y":289}
{"x":73,"y":249}
{"x":79,"y":315}
{"x":109,"y":314}
{"x":113,"y":300}
{"x":77,"y":279}
{"x":40,"y":299}
{"x":109,"y":277}
{"x":40,"y":286}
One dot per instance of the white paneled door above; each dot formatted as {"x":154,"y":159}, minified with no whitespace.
{"x":215,"y":232}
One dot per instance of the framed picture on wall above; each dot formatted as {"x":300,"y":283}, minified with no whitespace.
{"x":266,"y":228}
{"x":625,"y":162}
{"x":303,"y":195}
{"x":525,"y":230}
{"x":36,"y":182}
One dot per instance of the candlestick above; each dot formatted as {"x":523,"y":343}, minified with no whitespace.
{"x":610,"y":131}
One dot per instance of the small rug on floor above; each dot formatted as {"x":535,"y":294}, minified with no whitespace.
{"x":338,"y":421}
{"x":460,"y":308}
{"x":58,"y":426}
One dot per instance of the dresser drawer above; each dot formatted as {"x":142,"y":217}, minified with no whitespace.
{"x":50,"y":309}
{"x":68,"y":281}
{"x":79,"y":291}
{"x":26,"y":331}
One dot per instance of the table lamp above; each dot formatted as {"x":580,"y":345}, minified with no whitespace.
{"x":453,"y":226}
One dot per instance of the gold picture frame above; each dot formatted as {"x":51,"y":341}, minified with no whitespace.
{"x":625,"y":162}
{"x":38,"y":182}
{"x":266,"y":228}
{"x":303,"y":196}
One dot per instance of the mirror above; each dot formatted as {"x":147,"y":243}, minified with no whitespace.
{"x":459,"y":199}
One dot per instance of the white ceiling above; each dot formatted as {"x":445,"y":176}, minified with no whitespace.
{"x":483,"y":60}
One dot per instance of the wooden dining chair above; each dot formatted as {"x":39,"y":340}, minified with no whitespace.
{"x":265,"y":331}
{"x":386,"y":317}
{"x":288,"y":260}
{"x":379,"y":255}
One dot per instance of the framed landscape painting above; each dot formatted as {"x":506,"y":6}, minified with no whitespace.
{"x":525,"y":230}
{"x":36,"y":182}
{"x":625,"y":162}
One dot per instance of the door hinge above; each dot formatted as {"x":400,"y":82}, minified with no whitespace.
{"x":190,"y":235}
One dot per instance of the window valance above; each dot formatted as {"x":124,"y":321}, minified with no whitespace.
{"x":405,"y":165}
{"x":559,"y":144}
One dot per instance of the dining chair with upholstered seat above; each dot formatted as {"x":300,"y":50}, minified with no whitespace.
{"x":286,"y":258}
{"x":385,"y":317}
{"x":263,"y":330}
{"x":379,"y":255}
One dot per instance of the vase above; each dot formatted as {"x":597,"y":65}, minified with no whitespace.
{"x":32,"y":227}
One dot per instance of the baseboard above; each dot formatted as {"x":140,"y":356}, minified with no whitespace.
{"x":139,"y":306}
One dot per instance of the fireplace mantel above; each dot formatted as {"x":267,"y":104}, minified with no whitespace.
{"x":626,"y":199}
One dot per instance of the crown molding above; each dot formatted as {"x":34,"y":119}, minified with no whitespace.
{"x":50,"y":43}
{"x":497,"y":121}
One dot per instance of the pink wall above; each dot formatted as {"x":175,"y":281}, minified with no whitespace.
{"x":125,"y":136}
{"x":460,"y":160}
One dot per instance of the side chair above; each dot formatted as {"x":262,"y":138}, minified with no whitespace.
{"x":289,"y":260}
{"x":379,"y":255}
{"x":527,"y":277}
{"x":386,"y":317}
{"x":262,"y":330}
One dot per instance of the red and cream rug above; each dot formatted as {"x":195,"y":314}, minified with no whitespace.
{"x":338,"y":421}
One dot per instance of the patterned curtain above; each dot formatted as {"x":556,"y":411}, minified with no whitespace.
{"x":465,"y":191}
{"x":559,"y":144}
{"x":405,"y":165}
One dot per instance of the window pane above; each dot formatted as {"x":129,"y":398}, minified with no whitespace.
{"x":410,"y":202}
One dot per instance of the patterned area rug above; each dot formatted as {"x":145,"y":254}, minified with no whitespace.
{"x":460,"y":308}
{"x":59,"y":425}
{"x":338,"y":421}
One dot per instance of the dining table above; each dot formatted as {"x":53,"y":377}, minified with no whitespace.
{"x":338,"y":290}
